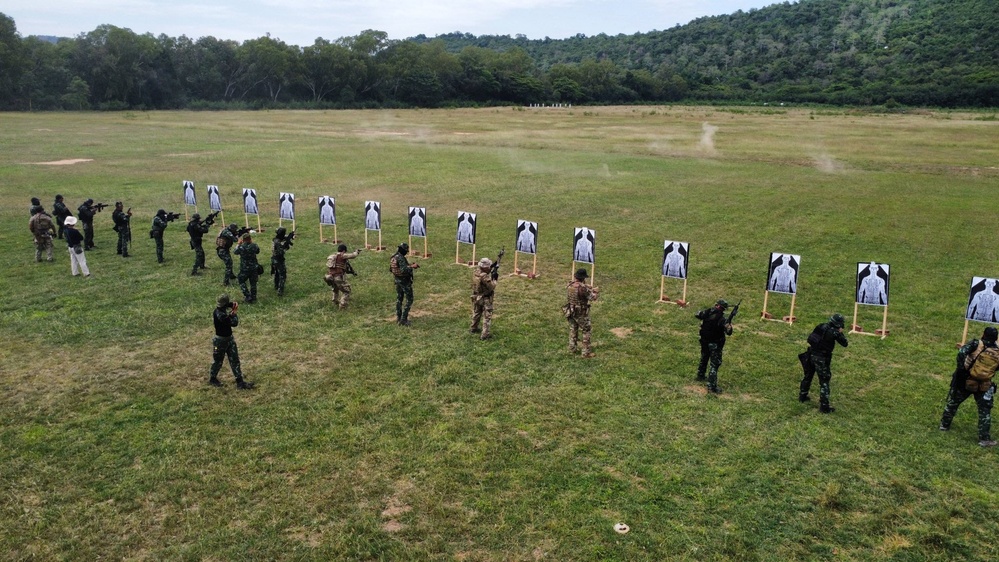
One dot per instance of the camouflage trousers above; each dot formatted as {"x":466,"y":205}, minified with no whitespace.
{"x":159,"y":248}
{"x":248,"y":283}
{"x":482,"y":310}
{"x":43,"y":245}
{"x":403,"y":290}
{"x":123,"y":243}
{"x":711,"y":353}
{"x":280,"y":276}
{"x":226,"y":258}
{"x":341,"y":291}
{"x":579,"y":322}
{"x":199,"y":256}
{"x":984,"y":401}
{"x":819,"y":366}
{"x":222,"y":348}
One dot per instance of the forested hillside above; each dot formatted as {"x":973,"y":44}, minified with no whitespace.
{"x":858,"y":52}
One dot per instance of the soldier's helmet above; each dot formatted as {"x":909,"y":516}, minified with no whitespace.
{"x":404,"y":248}
{"x":233,"y":228}
{"x":485,"y":263}
{"x":722,"y":304}
{"x":247,"y":237}
{"x":88,"y":202}
{"x":581,"y":274}
{"x":280,"y":232}
{"x":341,"y":248}
{"x":196,"y":217}
{"x":160,"y":213}
{"x":837,"y":320}
{"x":990,"y":334}
{"x":35,"y":201}
{"x":223,"y":300}
{"x":58,"y":197}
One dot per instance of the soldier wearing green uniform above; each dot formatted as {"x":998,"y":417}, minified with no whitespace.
{"x":817,"y":358}
{"x":577,"y":311}
{"x":156,"y":232}
{"x":225,"y":240}
{"x":278,"y":269}
{"x":249,"y":269}
{"x":337,"y":267}
{"x":403,"y":273}
{"x":197,"y":230}
{"x":41,"y":227}
{"x":483,"y":288}
{"x":121,"y":220}
{"x":61,"y":212}
{"x":224,"y":344}
{"x":977,"y":362}
{"x":714,"y":328}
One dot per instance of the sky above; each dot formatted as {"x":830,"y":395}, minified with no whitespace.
{"x":300,"y":22}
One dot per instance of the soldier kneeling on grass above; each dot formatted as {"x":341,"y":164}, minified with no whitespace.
{"x":977,"y":362}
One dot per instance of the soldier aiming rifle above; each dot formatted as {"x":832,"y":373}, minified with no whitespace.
{"x":483,"y":289}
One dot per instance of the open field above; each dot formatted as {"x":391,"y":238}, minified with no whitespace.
{"x":365,"y":440}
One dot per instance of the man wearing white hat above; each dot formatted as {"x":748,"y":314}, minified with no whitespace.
{"x":74,"y":239}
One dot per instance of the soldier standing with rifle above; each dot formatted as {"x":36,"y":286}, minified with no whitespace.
{"x":282,"y":243}
{"x":338,"y":266}
{"x":483,"y":288}
{"x":403,"y":273}
{"x":160,"y":222}
{"x":577,"y":311}
{"x":226,"y":239}
{"x":197,"y":230}
{"x":249,"y":268}
{"x":818,"y":356}
{"x":714,"y":327}
{"x":122,"y":225}
{"x":86,"y":212}
{"x":41,"y":227}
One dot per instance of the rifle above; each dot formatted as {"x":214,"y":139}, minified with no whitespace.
{"x":494,"y":270}
{"x":128,"y":223}
{"x":349,"y":268}
{"x":210,"y":219}
{"x":243,"y":231}
{"x":735,"y":310}
{"x":100,"y":206}
{"x":289,"y":241}
{"x":170,"y":217}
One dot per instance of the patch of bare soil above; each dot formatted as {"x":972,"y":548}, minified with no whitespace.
{"x":621,"y":332}
{"x":64,"y":162}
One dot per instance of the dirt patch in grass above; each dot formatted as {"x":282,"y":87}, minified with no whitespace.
{"x":395,"y":507}
{"x":621,"y":332}
{"x":64,"y":162}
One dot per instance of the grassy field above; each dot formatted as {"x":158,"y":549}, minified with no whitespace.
{"x":364,"y":440}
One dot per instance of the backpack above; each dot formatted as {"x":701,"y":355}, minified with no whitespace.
{"x":394,"y":266}
{"x":816,"y":337}
{"x":984,"y":362}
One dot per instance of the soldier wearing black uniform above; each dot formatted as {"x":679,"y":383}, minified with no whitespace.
{"x":86,"y":212}
{"x":224,"y":344}
{"x":60,"y":212}
{"x":160,"y":223}
{"x":817,"y":358}
{"x":197,"y":230}
{"x":281,"y":244}
{"x":122,"y":226}
{"x":714,"y":328}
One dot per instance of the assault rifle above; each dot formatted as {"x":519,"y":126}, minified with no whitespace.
{"x":494,"y":270}
{"x":170,"y":217}
{"x":349,"y":268}
{"x":289,"y":240}
{"x":735,"y":310}
{"x":210,"y":219}
{"x":100,"y":206}
{"x":242,"y":231}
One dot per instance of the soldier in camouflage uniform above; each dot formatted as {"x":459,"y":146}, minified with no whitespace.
{"x":278,"y":269}
{"x":61,"y":212}
{"x":483,"y":288}
{"x":403,"y":273}
{"x":817,"y":358}
{"x":121,"y":220}
{"x":714,"y":328}
{"x":86,"y":212}
{"x":225,"y":240}
{"x":197,"y":230}
{"x":577,"y":311}
{"x":43,"y":230}
{"x":224,"y":345}
{"x":156,"y":232}
{"x":336,"y":274}
{"x":977,"y":362}
{"x":249,"y":268}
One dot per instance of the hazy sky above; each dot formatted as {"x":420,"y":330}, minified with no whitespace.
{"x":300,"y":22}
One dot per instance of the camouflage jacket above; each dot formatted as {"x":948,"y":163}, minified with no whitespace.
{"x":247,"y":256}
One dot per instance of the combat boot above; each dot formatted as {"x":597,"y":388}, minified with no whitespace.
{"x":715,"y":389}
{"x":803,"y":398}
{"x":826,"y":409}
{"x":987,"y":443}
{"x":244,"y":385}
{"x":214,"y":382}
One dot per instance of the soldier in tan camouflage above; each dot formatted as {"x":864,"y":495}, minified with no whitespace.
{"x":43,"y":230}
{"x":338,"y":267}
{"x":577,"y":312}
{"x":483,"y":288}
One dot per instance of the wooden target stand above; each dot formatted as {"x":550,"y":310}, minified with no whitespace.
{"x":246,"y":219}
{"x":534,"y":266}
{"x":883,"y":332}
{"x":681,"y":302}
{"x":186,"y":217}
{"x":593,"y":270}
{"x":789,"y":319}
{"x":964,"y":336}
{"x":322,"y":238}
{"x":457,"y":254}
{"x":377,"y":248}
{"x":426,"y":254}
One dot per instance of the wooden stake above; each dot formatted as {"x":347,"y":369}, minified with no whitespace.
{"x":964,"y":337}
{"x":853,"y":325}
{"x":662,"y":288}
{"x":766,"y":297}
{"x":884,"y":324}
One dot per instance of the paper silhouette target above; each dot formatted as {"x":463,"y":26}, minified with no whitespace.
{"x":327,"y":210}
{"x":372,"y":215}
{"x":189,"y":197}
{"x":466,"y":227}
{"x":983,"y":301}
{"x":675,"y":259}
{"x":418,"y":221}
{"x":583,"y":244}
{"x":873,"y":283}
{"x":250,"y":202}
{"x":782,"y":275}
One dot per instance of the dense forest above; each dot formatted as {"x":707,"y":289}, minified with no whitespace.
{"x":845,"y":52}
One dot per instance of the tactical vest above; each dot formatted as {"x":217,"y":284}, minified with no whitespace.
{"x":223,"y":242}
{"x":337,"y":264}
{"x":985,"y":362}
{"x":394,"y":266}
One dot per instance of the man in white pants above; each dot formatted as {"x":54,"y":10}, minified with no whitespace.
{"x":74,"y":239}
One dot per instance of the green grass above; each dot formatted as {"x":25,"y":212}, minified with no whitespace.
{"x":367,"y":441}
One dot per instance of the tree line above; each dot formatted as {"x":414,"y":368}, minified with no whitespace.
{"x":847,"y":52}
